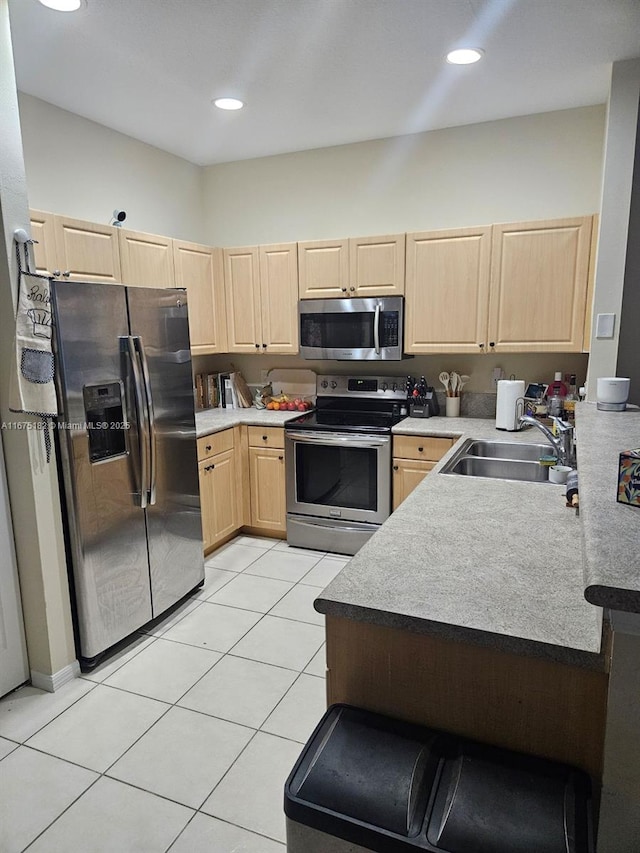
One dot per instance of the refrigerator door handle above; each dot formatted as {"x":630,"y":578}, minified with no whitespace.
{"x":143,"y":420}
{"x":151,"y":421}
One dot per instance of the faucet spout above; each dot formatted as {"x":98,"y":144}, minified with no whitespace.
{"x":562,"y":442}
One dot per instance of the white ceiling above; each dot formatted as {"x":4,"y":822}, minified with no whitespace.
{"x":314,"y":73}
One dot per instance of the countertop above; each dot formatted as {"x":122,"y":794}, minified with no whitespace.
{"x":492,"y":562}
{"x":215,"y":420}
{"x":611,"y":529}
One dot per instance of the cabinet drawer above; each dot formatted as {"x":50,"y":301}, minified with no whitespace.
{"x":217,"y":442}
{"x":266,"y":437}
{"x":421,"y":447}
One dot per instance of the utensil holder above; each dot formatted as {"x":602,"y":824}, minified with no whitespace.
{"x":452,"y":407}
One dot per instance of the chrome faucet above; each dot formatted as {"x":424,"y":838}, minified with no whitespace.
{"x":562,"y":441}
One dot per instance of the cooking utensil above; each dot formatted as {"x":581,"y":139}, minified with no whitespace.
{"x":462,"y":381}
{"x":455,"y":384}
{"x":444,"y":378}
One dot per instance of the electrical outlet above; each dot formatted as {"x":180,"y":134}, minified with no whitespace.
{"x":605,"y":324}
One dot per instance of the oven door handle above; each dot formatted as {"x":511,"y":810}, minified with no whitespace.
{"x":338,"y":439}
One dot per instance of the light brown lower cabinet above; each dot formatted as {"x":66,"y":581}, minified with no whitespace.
{"x":413,"y":457}
{"x":219,"y":484}
{"x":242,"y":483}
{"x":267,"y":478}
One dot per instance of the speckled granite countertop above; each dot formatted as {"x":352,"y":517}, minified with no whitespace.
{"x":493,"y":562}
{"x":215,"y":420}
{"x":611,"y":529}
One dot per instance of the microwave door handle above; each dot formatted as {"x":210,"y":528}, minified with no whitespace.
{"x":141,"y":417}
{"x":376,"y":329}
{"x":151,"y":420}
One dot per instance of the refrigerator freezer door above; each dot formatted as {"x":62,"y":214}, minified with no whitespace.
{"x":101,"y":466}
{"x":159,"y":324}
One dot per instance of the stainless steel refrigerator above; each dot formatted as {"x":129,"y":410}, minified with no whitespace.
{"x":128,"y":456}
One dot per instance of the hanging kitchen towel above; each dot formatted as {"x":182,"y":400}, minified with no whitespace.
{"x":32,"y":390}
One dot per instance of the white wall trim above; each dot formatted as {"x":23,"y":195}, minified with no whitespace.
{"x":54,"y":682}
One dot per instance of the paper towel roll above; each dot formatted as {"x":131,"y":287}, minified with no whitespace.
{"x":509,"y":391}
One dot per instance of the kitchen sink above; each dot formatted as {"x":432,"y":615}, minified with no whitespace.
{"x":500,"y":460}
{"x":507,"y":450}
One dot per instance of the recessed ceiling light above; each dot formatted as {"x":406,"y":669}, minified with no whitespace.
{"x":465,"y":56}
{"x":62,"y":5}
{"x":228,"y":103}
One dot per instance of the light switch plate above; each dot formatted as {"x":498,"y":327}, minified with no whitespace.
{"x":605,"y":324}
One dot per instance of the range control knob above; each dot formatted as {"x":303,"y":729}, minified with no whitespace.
{"x":334,"y":384}
{"x":324,"y":383}
{"x":384,"y":386}
{"x":394,"y":387}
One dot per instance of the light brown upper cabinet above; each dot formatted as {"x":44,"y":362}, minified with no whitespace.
{"x":86,"y":251}
{"x":43,"y":252}
{"x":359,"y":266}
{"x":261,"y":298}
{"x":447,"y":290}
{"x":199,"y":269}
{"x":146,"y":259}
{"x":539,"y":276}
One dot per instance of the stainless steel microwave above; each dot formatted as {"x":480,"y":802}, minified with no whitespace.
{"x":352,"y":329}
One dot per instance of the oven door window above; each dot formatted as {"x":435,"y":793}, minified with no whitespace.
{"x":341,"y":477}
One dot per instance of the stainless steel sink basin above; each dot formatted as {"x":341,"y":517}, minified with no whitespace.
{"x":500,"y":460}
{"x":508,"y":450}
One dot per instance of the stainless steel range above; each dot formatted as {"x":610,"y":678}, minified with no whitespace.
{"x":338,"y":462}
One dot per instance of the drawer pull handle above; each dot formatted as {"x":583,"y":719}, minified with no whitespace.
{"x":281,"y":458}
{"x":264,"y":437}
{"x":208,"y":447}
{"x":209,"y":467}
{"x":420,"y":449}
{"x":395,"y":467}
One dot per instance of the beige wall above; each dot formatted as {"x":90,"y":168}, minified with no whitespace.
{"x":532,"y":167}
{"x":33,"y":486}
{"x":83,"y":169}
{"x":621,"y":132}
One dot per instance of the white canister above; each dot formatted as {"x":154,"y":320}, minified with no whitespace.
{"x":612,"y":393}
{"x":507,"y":410}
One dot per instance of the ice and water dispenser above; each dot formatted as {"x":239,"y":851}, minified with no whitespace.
{"x":106,"y":420}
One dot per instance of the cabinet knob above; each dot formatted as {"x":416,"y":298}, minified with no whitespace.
{"x":208,"y":447}
{"x":420,"y":449}
{"x":343,"y":289}
{"x":257,"y":346}
{"x":281,"y":458}
{"x":66,"y":273}
{"x":395,"y":467}
{"x":264,"y":346}
{"x":481,"y":346}
{"x":352,"y":289}
{"x":56,"y":273}
{"x":264,"y":437}
{"x":492,"y":344}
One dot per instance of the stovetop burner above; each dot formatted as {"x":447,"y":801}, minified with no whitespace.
{"x":355,"y":404}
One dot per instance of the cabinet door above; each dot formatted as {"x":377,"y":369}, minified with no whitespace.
{"x":242,"y":294}
{"x":87,"y":251}
{"x":447,"y":290}
{"x":407,"y":474}
{"x":218,"y":497}
{"x":376,"y":266}
{"x":539,"y":273}
{"x":146,"y":259}
{"x":199,"y":269}
{"x":42,"y":254}
{"x":323,"y":269}
{"x":268,"y":506}
{"x":279,"y":298}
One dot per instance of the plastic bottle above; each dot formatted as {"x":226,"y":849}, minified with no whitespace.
{"x":557,"y":388}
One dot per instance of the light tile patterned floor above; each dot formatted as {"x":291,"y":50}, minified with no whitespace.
{"x":182,"y":741}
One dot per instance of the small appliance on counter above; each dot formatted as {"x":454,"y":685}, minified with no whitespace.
{"x":612,"y":393}
{"x":509,"y":403}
